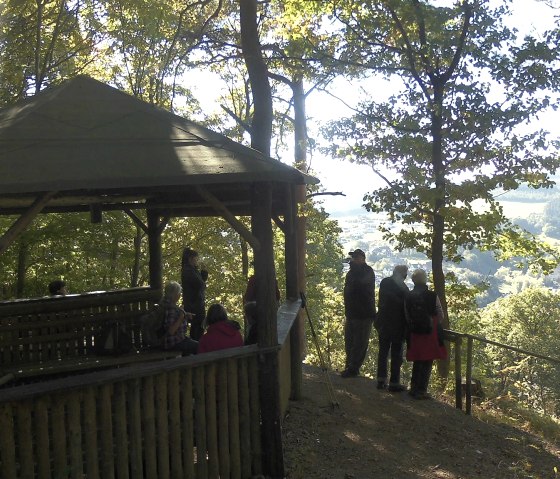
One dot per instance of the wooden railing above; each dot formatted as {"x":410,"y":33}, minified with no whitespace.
{"x":194,"y":417}
{"x":50,"y":329}
{"x":457,"y":339}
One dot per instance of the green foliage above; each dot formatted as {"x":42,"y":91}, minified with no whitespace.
{"x":529,"y":321}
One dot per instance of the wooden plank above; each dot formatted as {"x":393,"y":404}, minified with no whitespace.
{"x":211,"y":421}
{"x":200,"y":423}
{"x":244,"y":419}
{"x":187,"y":423}
{"x":255,"y":420}
{"x":175,"y":426}
{"x":223,"y":419}
{"x":59,"y":443}
{"x":41,"y":426}
{"x":106,"y":428}
{"x":149,"y":427}
{"x":121,"y":435}
{"x":75,"y":441}
{"x":135,"y":424}
{"x":90,"y":434}
{"x":162,"y":427}
{"x":233,"y":417}
{"x":7,"y":446}
{"x":25,"y":440}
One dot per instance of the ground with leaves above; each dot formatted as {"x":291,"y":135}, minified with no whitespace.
{"x":377,"y":434}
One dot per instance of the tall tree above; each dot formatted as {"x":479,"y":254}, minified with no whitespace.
{"x":453,"y":132}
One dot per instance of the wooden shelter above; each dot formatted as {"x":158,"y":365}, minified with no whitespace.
{"x":85,"y":146}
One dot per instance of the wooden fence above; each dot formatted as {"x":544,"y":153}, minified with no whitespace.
{"x":457,"y":339}
{"x":192,"y":417}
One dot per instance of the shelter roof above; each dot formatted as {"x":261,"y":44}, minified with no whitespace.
{"x":92,"y":143}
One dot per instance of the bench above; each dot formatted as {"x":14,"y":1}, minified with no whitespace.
{"x":54,"y":335}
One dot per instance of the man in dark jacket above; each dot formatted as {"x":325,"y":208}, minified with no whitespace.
{"x":390,"y":325}
{"x":359,"y":308}
{"x":193,"y":281}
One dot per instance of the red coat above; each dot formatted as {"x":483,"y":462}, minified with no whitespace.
{"x":425,"y":347}
{"x":221,"y":335}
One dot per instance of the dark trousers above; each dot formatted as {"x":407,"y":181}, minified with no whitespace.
{"x":187,"y":347}
{"x":196,"y":329}
{"x":356,"y":341}
{"x":386,"y":346}
{"x":421,"y":371}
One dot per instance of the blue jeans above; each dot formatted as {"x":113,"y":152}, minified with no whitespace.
{"x":386,"y":345}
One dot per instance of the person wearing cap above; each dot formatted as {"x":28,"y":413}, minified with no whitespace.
{"x":193,"y":282}
{"x":390,"y":324}
{"x":359,"y":309}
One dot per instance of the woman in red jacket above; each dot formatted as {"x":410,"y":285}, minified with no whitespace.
{"x":221,"y":333}
{"x":423,"y":349}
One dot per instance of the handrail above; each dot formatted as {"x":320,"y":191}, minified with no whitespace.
{"x":457,"y":338}
{"x":505,"y":346}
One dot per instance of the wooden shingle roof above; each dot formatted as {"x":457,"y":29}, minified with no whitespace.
{"x":92,"y":143}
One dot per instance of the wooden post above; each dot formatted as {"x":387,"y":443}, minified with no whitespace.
{"x":292,"y":291}
{"x":154,"y":247}
{"x":458,"y":393}
{"x":265,"y":276}
{"x":468,"y":392}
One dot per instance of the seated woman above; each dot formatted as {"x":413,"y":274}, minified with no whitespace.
{"x":221,"y":333}
{"x":175,"y":322}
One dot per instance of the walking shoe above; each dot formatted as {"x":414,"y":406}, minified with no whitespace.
{"x":419,"y":395}
{"x":348,"y":374}
{"x":396,"y":388}
{"x":381,"y":385}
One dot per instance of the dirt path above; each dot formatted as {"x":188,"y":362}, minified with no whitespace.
{"x":377,"y":434}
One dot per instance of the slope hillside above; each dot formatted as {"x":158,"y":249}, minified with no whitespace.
{"x":376,"y":434}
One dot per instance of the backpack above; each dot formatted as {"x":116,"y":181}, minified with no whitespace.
{"x":418,"y":317}
{"x":151,"y":327}
{"x":112,"y":339}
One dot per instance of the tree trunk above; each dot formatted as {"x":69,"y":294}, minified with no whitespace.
{"x":261,"y":124}
{"x":438,"y":219}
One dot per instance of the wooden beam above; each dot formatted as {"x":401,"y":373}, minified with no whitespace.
{"x":136,"y":220}
{"x":24,"y":220}
{"x":229,"y":217}
{"x":154,"y":247}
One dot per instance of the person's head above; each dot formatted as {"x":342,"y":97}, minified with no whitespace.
{"x":400,"y":271}
{"x":190,"y":257}
{"x":172,"y":292}
{"x":250,"y":310}
{"x":419,"y":277}
{"x":215,"y":314}
{"x":58,"y":288}
{"x":357,"y":256}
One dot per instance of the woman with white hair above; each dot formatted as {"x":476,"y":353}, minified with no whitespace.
{"x":423,"y":347}
{"x":175,"y":321}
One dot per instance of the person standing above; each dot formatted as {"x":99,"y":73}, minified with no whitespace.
{"x":390,"y":325}
{"x":359,"y":309}
{"x":424,"y":348}
{"x":193,"y":281}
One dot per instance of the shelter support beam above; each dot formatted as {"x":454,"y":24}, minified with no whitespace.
{"x":292,"y":290}
{"x":265,"y":277}
{"x":229,"y":217}
{"x":154,"y":247}
{"x":136,"y":220}
{"x":24,"y":220}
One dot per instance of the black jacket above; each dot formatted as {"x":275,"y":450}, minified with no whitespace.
{"x":391,"y":321}
{"x":194,"y":289}
{"x":359,"y":292}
